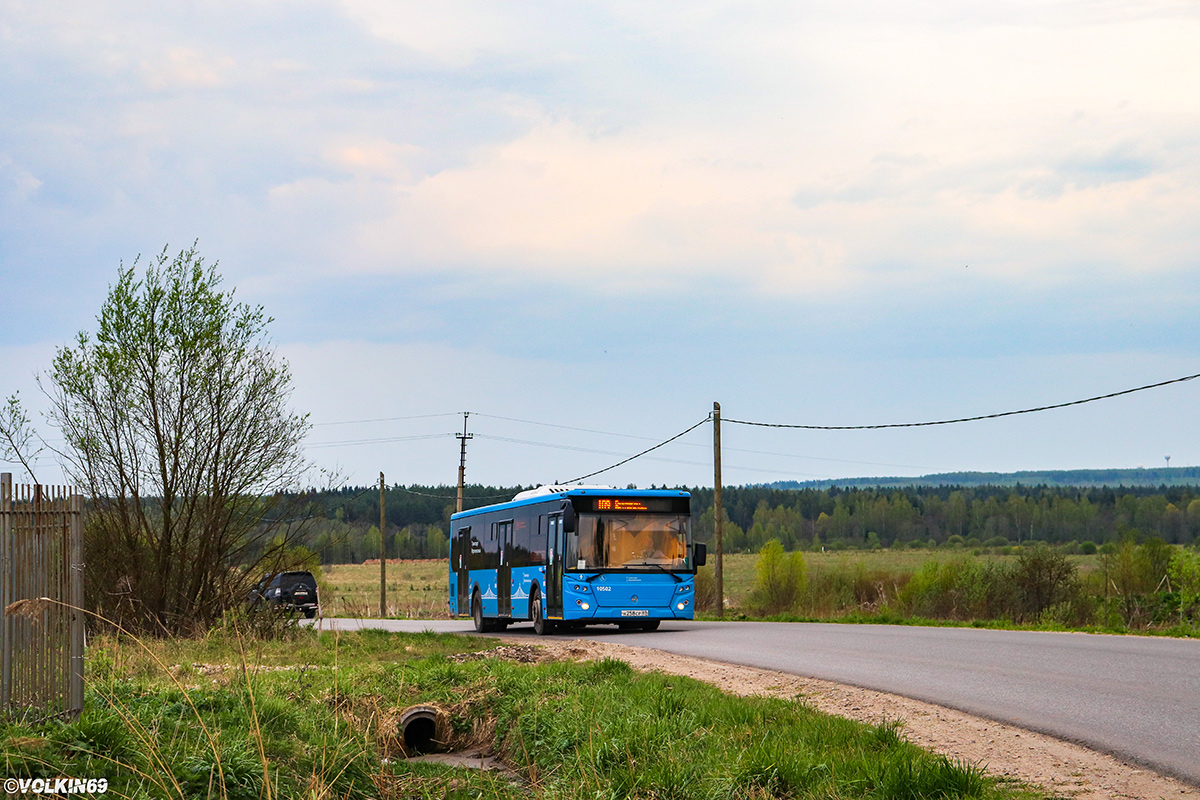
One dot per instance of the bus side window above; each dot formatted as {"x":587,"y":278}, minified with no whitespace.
{"x":537,"y":543}
{"x":460,"y":545}
{"x":504,"y":540}
{"x":519,"y":557}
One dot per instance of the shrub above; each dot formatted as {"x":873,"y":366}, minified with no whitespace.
{"x":1044,"y":578}
{"x":779,"y":579}
{"x":962,"y":588}
{"x":706,"y":589}
{"x":1185,"y":576}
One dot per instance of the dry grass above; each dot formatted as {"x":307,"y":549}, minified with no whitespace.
{"x":416,"y":589}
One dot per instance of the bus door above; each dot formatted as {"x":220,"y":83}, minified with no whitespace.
{"x":461,"y":555}
{"x":554,"y":567}
{"x":504,"y":571}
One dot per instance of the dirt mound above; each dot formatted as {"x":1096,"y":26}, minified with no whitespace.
{"x":521,"y":653}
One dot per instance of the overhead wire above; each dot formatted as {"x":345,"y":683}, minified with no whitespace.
{"x":381,"y":440}
{"x":650,"y":458}
{"x":644,"y":452}
{"x":730,"y":420}
{"x":387,"y":419}
{"x":563,"y":427}
{"x":688,"y":444}
{"x":962,"y":419}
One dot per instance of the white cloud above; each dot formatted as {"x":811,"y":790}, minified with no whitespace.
{"x":176,"y":68}
{"x":453,"y":35}
{"x":16,"y":185}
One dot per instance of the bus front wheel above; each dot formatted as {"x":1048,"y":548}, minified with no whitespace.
{"x":541,"y":625}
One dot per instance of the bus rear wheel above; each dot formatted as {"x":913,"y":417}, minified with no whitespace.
{"x":484,"y":624}
{"x":477,"y":614}
{"x":541,"y":625}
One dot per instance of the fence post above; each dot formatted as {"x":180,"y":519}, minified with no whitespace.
{"x":6,"y":589}
{"x":76,"y":600}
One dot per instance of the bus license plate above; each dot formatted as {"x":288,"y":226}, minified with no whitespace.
{"x":635,"y":612}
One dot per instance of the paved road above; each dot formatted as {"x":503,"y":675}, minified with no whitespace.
{"x":1136,"y":697}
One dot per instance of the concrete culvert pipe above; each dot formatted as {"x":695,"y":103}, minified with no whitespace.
{"x":425,"y":729}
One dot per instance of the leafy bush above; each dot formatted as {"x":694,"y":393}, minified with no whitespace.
{"x":962,"y":588}
{"x":706,"y":589}
{"x":779,"y":579}
{"x":1184,"y":570}
{"x":1043,"y":578}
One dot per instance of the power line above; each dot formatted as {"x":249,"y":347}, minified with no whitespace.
{"x":651,"y":458}
{"x":644,"y":452}
{"x":382,"y":419}
{"x":565,"y":427}
{"x":964,"y":419}
{"x":384,"y":440}
{"x":688,"y":444}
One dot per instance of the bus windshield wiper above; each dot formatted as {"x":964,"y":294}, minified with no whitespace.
{"x":660,"y":566}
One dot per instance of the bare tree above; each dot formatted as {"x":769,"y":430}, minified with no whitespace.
{"x":176,"y":420}
{"x":16,"y":436}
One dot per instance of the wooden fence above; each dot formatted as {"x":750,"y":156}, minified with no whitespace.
{"x":41,"y":594}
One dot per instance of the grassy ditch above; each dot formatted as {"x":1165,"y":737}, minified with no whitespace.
{"x":315,"y":716}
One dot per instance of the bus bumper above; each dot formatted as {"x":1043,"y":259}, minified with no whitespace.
{"x":612,"y":614}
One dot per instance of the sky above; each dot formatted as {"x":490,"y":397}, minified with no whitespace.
{"x":585,"y":223}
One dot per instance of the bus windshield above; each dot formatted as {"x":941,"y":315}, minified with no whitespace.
{"x":629,"y":541}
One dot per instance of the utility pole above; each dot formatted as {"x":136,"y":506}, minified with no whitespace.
{"x":382,"y":553}
{"x":718,"y":510}
{"x":462,"y":459}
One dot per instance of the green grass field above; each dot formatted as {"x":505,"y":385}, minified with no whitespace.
{"x":317,"y":716}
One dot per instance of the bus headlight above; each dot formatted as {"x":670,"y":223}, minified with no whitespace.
{"x":584,"y":606}
{"x":681,"y":606}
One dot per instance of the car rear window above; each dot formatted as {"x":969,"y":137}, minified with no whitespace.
{"x":292,"y":579}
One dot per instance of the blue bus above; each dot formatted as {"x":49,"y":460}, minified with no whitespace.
{"x":575,"y":555}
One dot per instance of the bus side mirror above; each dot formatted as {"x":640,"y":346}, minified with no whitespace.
{"x":699,"y":554}
{"x":568,"y":517}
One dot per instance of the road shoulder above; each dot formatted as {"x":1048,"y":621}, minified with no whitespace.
{"x":1062,"y":768}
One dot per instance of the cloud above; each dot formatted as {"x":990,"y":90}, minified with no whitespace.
{"x":822,"y":151}
{"x":16,"y":185}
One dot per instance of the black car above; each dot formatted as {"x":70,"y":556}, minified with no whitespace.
{"x":286,"y":591}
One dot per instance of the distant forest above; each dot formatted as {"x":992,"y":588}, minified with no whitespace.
{"x":1069,"y":478}
{"x":344,"y":527}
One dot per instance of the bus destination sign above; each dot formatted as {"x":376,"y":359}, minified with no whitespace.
{"x":635,"y":504}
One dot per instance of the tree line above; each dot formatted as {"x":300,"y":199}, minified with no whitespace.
{"x":418,"y":517}
{"x":988,"y":516}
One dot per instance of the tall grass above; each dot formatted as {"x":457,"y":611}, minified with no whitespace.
{"x":1149,"y":587}
{"x":315,"y":716}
